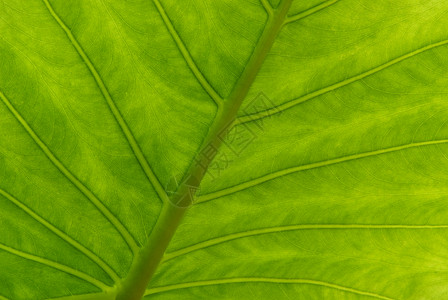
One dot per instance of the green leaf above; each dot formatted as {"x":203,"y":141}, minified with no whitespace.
{"x":229,"y":149}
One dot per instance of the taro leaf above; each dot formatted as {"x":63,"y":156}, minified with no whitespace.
{"x":330,"y":181}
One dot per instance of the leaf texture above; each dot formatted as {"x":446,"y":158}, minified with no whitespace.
{"x":332,"y":183}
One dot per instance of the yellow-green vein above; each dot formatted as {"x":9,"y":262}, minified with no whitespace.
{"x":72,"y":178}
{"x":187,"y":285}
{"x":267,"y":7}
{"x":114,"y":109}
{"x":57,"y":266}
{"x":275,"y":229}
{"x":93,"y":296}
{"x":292,"y":103}
{"x":103,"y":265}
{"x":187,"y":56}
{"x":274,"y":175}
{"x":310,"y":11}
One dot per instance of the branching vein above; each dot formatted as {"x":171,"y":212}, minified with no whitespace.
{"x":72,"y":178}
{"x":276,"y":229}
{"x":267,"y":7}
{"x":275,"y":175}
{"x":187,"y":56}
{"x":114,"y":109}
{"x":310,"y":11}
{"x":56,"y":266}
{"x":95,"y":296}
{"x":290,"y":104}
{"x":103,"y":265}
{"x":262,"y":280}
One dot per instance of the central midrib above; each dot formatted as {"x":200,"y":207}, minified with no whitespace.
{"x":149,"y":257}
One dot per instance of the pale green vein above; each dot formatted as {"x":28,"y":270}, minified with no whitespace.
{"x":274,"y":175}
{"x":267,"y":7}
{"x":57,"y":266}
{"x":103,"y":265}
{"x":114,"y":109}
{"x":276,"y":229}
{"x":3,"y":298}
{"x":187,"y":56}
{"x":292,"y":103}
{"x":96,"y":296}
{"x":262,"y":280}
{"x":310,"y":11}
{"x":76,"y":182}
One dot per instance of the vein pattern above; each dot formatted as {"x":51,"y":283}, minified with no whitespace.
{"x":250,"y":233}
{"x":56,"y":266}
{"x":264,"y":280}
{"x":310,"y":11}
{"x":116,"y":112}
{"x":78,"y":184}
{"x":112,"y":274}
{"x":275,"y":175}
{"x":290,"y":104}
{"x":186,"y":54}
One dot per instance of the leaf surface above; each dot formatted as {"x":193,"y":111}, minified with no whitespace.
{"x":332,"y":183}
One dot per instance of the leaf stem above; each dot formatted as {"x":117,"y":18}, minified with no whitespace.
{"x":148,"y":259}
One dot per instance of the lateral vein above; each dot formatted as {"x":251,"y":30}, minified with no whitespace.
{"x":275,"y":175}
{"x":263,"y":280}
{"x":112,"y":106}
{"x":57,"y":266}
{"x":103,"y":265}
{"x":309,"y":11}
{"x":187,"y":56}
{"x":72,"y":178}
{"x":292,"y":103}
{"x":267,"y":7}
{"x":106,"y":295}
{"x":275,"y":229}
